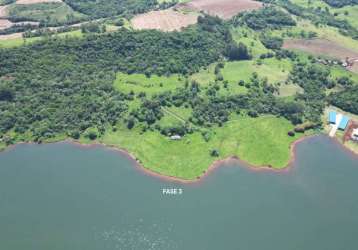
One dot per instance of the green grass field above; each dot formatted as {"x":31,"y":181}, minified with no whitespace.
{"x":274,"y":70}
{"x":51,"y":13}
{"x":290,"y":89}
{"x":10,"y":43}
{"x":152,"y":85}
{"x":338,"y":71}
{"x":250,"y":39}
{"x":258,"y":141}
{"x":174,"y":116}
{"x":15,"y":42}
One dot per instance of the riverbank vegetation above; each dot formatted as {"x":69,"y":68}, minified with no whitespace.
{"x":48,"y":14}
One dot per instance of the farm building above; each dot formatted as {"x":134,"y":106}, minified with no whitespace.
{"x":355,"y":134}
{"x":332,"y":116}
{"x":337,"y":121}
{"x":344,"y":122}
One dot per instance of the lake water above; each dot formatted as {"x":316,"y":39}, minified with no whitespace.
{"x":65,"y":197}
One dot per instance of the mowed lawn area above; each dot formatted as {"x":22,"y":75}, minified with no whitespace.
{"x":15,"y":42}
{"x":251,"y":39}
{"x":273,"y":69}
{"x":258,"y":141}
{"x":337,"y":72}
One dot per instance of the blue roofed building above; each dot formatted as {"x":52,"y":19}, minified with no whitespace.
{"x":344,"y":122}
{"x":332,"y":116}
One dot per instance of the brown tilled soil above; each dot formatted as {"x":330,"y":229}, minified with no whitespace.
{"x":320,"y":47}
{"x":165,"y":20}
{"x":354,"y":68}
{"x":4,"y":24}
{"x":222,"y":8}
{"x":3,"y":12}
{"x":36,"y":1}
{"x":11,"y":36}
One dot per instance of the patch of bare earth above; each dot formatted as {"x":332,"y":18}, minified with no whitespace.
{"x":165,"y":20}
{"x":11,"y":36}
{"x":321,"y":47}
{"x":3,"y":11}
{"x":4,"y":24}
{"x":354,"y":67}
{"x":222,"y":8}
{"x":37,"y":1}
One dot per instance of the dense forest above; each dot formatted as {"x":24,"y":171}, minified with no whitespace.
{"x":62,"y":86}
{"x":264,"y":18}
{"x":314,"y":79}
{"x":346,"y":99}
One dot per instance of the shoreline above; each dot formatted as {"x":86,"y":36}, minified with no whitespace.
{"x":211,"y":168}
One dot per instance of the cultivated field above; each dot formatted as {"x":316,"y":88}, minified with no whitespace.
{"x":320,"y":47}
{"x":3,"y":11}
{"x":36,"y":1}
{"x":165,"y":20}
{"x":223,"y":8}
{"x":10,"y":36}
{"x":51,"y":13}
{"x":4,"y":24}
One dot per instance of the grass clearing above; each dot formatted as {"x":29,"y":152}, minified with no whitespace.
{"x":251,"y":39}
{"x":150,"y":85}
{"x":273,"y":69}
{"x":169,"y":120}
{"x":259,"y":141}
{"x":19,"y":41}
{"x":51,"y":13}
{"x":289,"y":90}
{"x":337,"y":72}
{"x":205,"y":76}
